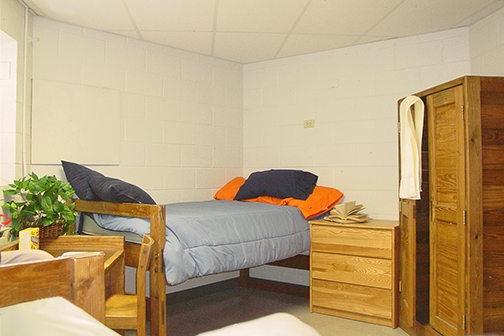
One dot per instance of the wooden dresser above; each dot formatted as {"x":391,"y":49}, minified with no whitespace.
{"x":354,"y":272}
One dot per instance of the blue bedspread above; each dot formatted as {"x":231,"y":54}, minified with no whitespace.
{"x":218,"y":236}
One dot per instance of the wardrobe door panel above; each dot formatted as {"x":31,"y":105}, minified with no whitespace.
{"x":447,"y":189}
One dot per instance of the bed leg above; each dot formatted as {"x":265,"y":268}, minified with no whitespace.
{"x":157,"y":298}
{"x":244,"y":278}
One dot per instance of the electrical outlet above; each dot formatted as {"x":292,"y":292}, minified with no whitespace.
{"x":309,"y":123}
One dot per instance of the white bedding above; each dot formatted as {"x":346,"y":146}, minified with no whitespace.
{"x":279,"y":324}
{"x":49,"y":317}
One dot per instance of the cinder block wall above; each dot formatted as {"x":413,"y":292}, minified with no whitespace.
{"x":352,"y":94}
{"x":487,"y":45}
{"x":12,"y":23}
{"x":180,"y":112}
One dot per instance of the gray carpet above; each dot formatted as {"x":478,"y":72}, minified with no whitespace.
{"x":219,"y":305}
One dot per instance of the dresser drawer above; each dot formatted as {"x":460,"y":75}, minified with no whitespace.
{"x":361,"y":300}
{"x":358,"y":241}
{"x":352,"y":269}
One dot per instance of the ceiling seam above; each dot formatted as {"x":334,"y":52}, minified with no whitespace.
{"x":132,"y":21}
{"x":292,"y":28}
{"x":242,"y":32}
{"x":381,"y":20}
{"x":32,"y":7}
{"x":216,"y":11}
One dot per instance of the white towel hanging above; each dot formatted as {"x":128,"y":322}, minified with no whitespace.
{"x":411,"y":147}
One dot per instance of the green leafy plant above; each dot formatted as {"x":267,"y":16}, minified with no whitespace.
{"x":40,"y":202}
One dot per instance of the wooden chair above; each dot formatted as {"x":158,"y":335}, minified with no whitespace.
{"x":128,"y":311}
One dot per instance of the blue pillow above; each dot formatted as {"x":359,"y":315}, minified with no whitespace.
{"x":78,"y":176}
{"x":281,"y":183}
{"x":114,"y":190}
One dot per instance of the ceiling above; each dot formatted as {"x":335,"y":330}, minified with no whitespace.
{"x":248,"y":31}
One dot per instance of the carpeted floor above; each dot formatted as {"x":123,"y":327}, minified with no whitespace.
{"x":216,"y":306}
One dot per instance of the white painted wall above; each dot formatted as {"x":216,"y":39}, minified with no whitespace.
{"x":180,"y":113}
{"x":8,"y":85}
{"x":12,"y":23}
{"x":487,"y":45}
{"x":352,"y":94}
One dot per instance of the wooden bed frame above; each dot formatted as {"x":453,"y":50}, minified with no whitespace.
{"x":156,"y":216}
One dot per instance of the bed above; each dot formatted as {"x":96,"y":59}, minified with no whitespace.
{"x":200,"y":238}
{"x":212,"y":237}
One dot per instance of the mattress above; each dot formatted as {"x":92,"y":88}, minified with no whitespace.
{"x":211,"y":237}
{"x":90,"y":227}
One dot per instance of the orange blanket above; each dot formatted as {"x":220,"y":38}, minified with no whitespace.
{"x":320,"y":201}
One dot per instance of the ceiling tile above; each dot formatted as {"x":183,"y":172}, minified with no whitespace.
{"x":254,"y":30}
{"x":99,"y":14}
{"x":423,"y":16}
{"x":348,"y":17}
{"x":492,"y":8}
{"x":269,"y":16}
{"x":298,"y":44}
{"x":173,"y":15}
{"x":200,"y":42}
{"x":247,"y":47}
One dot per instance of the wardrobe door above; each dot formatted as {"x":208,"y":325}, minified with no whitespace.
{"x":447,"y":186}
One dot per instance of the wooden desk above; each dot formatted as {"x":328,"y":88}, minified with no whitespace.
{"x":9,"y":246}
{"x":78,"y":279}
{"x":114,"y":274}
{"x":111,"y":246}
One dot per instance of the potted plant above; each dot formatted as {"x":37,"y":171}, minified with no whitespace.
{"x":44,"y":202}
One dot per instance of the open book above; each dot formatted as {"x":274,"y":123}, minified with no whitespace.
{"x":346,"y":213}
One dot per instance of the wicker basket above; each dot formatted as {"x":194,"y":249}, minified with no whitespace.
{"x":53,"y":231}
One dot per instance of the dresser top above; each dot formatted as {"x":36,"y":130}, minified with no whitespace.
{"x":386,"y":224}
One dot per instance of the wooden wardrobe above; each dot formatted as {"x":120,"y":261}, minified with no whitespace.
{"x":452,"y":239}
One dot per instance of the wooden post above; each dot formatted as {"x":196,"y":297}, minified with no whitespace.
{"x":157,"y":276}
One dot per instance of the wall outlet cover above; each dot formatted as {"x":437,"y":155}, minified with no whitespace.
{"x":309,"y":123}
